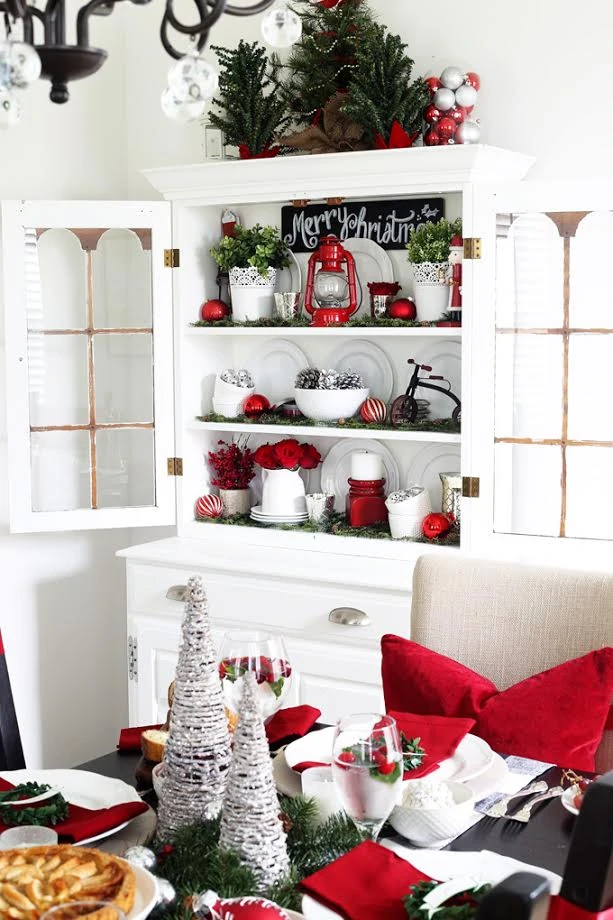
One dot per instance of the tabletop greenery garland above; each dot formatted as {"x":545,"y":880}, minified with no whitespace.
{"x":462,"y":906}
{"x":44,"y":814}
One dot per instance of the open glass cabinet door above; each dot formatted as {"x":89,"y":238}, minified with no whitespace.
{"x":541,"y":427}
{"x":88,"y":307}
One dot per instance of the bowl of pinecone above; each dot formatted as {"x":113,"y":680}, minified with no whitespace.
{"x":329,"y":395}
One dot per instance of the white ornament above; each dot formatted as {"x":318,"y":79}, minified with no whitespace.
{"x":182,"y":110}
{"x":193,"y":78}
{"x":452,"y":77}
{"x":444,"y":99}
{"x":10,"y":109}
{"x":19,"y":64}
{"x":281,"y":27}
{"x":466,"y":95}
{"x":468,"y":132}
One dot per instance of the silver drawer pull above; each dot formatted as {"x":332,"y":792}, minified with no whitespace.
{"x":349,"y":616}
{"x":178,"y":593}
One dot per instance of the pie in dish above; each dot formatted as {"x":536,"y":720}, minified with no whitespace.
{"x":35,"y":879}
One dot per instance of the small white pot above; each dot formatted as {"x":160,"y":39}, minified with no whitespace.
{"x":431,"y":290}
{"x":405,"y":525}
{"x":252,"y":294}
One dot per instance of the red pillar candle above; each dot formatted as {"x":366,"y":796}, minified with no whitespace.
{"x":366,"y":502}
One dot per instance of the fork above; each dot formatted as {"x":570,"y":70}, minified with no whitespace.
{"x":499,"y":809}
{"x":524,"y":814}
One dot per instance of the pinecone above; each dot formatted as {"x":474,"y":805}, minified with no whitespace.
{"x":329,"y":380}
{"x":308,"y":379}
{"x":348,"y":380}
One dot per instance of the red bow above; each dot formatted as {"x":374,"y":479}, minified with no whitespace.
{"x":266,"y":154}
{"x":398,"y":138}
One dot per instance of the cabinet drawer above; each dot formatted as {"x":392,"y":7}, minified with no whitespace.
{"x":285,"y":605}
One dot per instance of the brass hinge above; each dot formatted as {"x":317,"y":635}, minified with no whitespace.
{"x":175,"y":466}
{"x":470,"y":486}
{"x":172,"y":258}
{"x":132,"y":659}
{"x":472,"y":247}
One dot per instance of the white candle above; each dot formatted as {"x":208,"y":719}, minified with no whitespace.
{"x":318,"y":784}
{"x":366,"y":466}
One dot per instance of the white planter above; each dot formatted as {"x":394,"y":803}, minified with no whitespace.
{"x":252,"y":294}
{"x":283,"y":492}
{"x":431,"y":290}
{"x":405,"y":525}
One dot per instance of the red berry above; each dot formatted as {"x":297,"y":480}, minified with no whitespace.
{"x":346,"y":757}
{"x":386,"y":768}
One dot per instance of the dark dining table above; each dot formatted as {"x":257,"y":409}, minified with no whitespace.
{"x":543,"y":841}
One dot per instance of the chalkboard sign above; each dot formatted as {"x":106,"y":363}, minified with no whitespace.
{"x":387,"y":223}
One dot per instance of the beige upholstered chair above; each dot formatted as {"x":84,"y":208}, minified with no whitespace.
{"x":509,"y":621}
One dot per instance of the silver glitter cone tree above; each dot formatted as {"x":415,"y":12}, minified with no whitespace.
{"x":198,"y":752}
{"x":250,"y":824}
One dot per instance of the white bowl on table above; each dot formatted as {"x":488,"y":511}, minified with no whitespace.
{"x":426,"y":827}
{"x":329,"y":405}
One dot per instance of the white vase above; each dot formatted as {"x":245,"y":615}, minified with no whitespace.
{"x":431,"y":290}
{"x":252,"y":294}
{"x":283,"y":492}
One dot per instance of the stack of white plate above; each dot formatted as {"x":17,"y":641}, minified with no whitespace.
{"x":263,"y":518}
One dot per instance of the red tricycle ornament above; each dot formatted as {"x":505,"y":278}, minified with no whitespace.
{"x":330,"y":286}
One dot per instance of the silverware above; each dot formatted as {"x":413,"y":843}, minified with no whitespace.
{"x":525,"y":813}
{"x":499,"y":809}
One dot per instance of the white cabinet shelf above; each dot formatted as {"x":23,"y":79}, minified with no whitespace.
{"x":310,"y":431}
{"x":368,"y":332}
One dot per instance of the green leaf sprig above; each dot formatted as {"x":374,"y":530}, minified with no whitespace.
{"x":462,"y":906}
{"x":45,"y":814}
{"x":431,"y":242}
{"x":257,"y":247}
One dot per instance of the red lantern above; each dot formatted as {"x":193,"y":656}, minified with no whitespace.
{"x":212,"y":311}
{"x":256,"y":405}
{"x":403,"y":308}
{"x":437,"y":524}
{"x":331,"y":285}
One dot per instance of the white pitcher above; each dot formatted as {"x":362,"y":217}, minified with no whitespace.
{"x":283,"y":492}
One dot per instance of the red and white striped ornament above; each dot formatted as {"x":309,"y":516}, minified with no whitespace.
{"x":209,"y":506}
{"x":373,"y":410}
{"x":247,"y":908}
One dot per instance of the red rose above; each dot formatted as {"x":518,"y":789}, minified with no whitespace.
{"x":288,"y":454}
{"x":266,"y":458}
{"x":311,"y":458}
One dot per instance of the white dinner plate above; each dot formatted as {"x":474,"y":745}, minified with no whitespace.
{"x":290,"y":279}
{"x":365,"y":358}
{"x":274,"y":367}
{"x":567,"y":800}
{"x":79,"y":787}
{"x":146,"y":894}
{"x":336,"y":468}
{"x":444,"y":356}
{"x":372,"y":263}
{"x":426,"y":466}
{"x":257,"y":512}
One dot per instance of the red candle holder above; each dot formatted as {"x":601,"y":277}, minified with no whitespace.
{"x":366,"y":502}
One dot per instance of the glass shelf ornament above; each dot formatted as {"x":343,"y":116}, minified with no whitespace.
{"x":20,"y":65}
{"x":183,"y":110}
{"x":10,"y":109}
{"x":192,"y":77}
{"x":281,"y":27}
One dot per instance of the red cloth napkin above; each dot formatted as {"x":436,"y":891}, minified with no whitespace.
{"x":368,"y":883}
{"x":286,"y":723}
{"x":440,"y":736}
{"x":83,"y":823}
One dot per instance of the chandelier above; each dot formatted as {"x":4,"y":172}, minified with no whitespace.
{"x":44,"y":51}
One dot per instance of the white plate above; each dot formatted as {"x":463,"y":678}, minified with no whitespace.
{"x":372,"y":263}
{"x":79,"y":787}
{"x":146,"y":895}
{"x":257,"y":512}
{"x":336,"y":468}
{"x":426,"y":466}
{"x":472,"y":756}
{"x":290,"y":279}
{"x":445,"y":359}
{"x":274,"y":367}
{"x":567,"y":798}
{"x":365,"y":358}
{"x":104,"y":834}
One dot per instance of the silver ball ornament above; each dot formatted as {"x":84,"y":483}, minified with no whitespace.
{"x":281,"y":27}
{"x":183,"y":110}
{"x":444,"y":98}
{"x":466,"y":96}
{"x":142,"y":857}
{"x":468,"y":132}
{"x":166,"y":893}
{"x":193,"y":78}
{"x":452,"y":77}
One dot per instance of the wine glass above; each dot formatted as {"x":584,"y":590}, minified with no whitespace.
{"x":265,"y":655}
{"x":75,"y":909}
{"x":367,"y":769}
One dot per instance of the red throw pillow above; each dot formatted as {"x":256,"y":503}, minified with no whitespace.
{"x":557,"y":716}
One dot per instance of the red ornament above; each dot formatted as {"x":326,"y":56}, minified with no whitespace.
{"x":446,"y":127}
{"x":473,"y":79}
{"x":256,"y":405}
{"x":437,"y":524}
{"x":403,"y":308}
{"x":373,"y":411}
{"x":458,"y":113}
{"x":432,"y":114}
{"x":212,"y":311}
{"x":249,"y":908}
{"x":432,"y":138}
{"x":433,"y":83}
{"x":209,"y":506}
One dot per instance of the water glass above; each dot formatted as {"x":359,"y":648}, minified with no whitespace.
{"x":28,"y":835}
{"x":265,"y":655}
{"x":98,"y":910}
{"x":367,"y":769}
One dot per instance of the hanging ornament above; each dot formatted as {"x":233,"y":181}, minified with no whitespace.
{"x":432,"y":114}
{"x":473,"y":79}
{"x":209,"y":906}
{"x":457,"y":113}
{"x":452,"y":77}
{"x":209,"y":506}
{"x":431,"y":139}
{"x":281,"y":27}
{"x":10,"y":109}
{"x":20,"y":64}
{"x":445,"y":98}
{"x":193,"y":78}
{"x":373,"y":411}
{"x":256,"y":405}
{"x":166,"y":893}
{"x":182,"y":110}
{"x":468,"y":133}
{"x":403,"y":308}
{"x":465,"y":95}
{"x":446,"y":128}
{"x":433,"y":83}
{"x":212,"y":311}
{"x":437,"y":524}
{"x":142,"y":857}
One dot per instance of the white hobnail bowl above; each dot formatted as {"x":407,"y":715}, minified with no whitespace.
{"x":426,"y":827}
{"x":228,"y":392}
{"x":157,"y":777}
{"x":405,"y":525}
{"x":228,"y":409}
{"x":329,"y":405}
{"x":417,"y":506}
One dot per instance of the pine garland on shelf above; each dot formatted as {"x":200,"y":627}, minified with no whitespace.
{"x":381,"y":96}
{"x":361,"y":322}
{"x":252,"y":110}
{"x":447,"y":425}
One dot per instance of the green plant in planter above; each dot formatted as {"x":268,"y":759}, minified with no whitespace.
{"x":258,"y":247}
{"x":430,"y":242}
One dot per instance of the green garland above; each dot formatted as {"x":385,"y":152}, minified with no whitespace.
{"x":48,"y":813}
{"x":462,"y":906}
{"x":303,"y":322}
{"x":269,"y":418}
{"x":194,"y":863}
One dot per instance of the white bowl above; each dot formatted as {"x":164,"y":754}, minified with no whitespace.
{"x":157,"y":777}
{"x":228,"y":409}
{"x":405,"y":525}
{"x":329,"y":405}
{"x":426,"y":827}
{"x":418,"y":506}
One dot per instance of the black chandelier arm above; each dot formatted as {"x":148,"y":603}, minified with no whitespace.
{"x":249,"y":10}
{"x":94,"y":7}
{"x":15,"y":8}
{"x":207,"y":20}
{"x":169,"y":48}
{"x":28,"y":24}
{"x":53,"y":19}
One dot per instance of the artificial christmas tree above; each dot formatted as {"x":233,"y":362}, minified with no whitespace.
{"x":197,"y":758}
{"x":381,"y":97}
{"x":250,"y":824}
